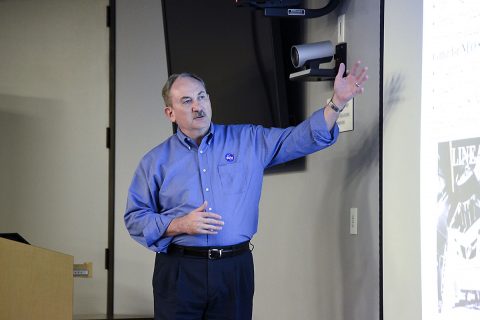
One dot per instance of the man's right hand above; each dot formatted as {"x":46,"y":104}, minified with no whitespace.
{"x":196,"y":222}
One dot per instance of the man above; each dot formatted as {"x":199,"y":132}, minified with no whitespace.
{"x":194,"y":198}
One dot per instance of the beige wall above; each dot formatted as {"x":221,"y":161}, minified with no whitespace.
{"x":401,"y":158}
{"x":308,"y":266}
{"x":53,"y":164}
{"x":53,"y":115}
{"x":140,"y":125}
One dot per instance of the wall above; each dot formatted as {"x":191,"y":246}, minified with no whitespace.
{"x":53,"y":115}
{"x":401,"y":158}
{"x":140,"y":125}
{"x":304,"y":252}
{"x":308,"y":266}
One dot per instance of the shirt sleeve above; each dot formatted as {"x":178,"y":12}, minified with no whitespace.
{"x":282,"y":145}
{"x":142,"y":218}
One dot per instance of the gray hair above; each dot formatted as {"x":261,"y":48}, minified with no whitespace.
{"x":168,"y":85}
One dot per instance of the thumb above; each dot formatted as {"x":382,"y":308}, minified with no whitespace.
{"x":341,"y":70}
{"x":202,"y":207}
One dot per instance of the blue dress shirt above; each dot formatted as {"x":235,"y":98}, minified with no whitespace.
{"x":226,"y":170}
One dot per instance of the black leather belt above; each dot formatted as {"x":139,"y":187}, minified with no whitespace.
{"x":211,"y":253}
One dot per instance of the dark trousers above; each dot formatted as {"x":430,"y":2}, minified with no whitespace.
{"x":193,"y":288}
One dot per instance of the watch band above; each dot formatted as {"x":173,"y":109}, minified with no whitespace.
{"x":334,"y":106}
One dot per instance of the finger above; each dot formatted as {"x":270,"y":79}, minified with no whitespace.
{"x":212,"y":228}
{"x":355,"y":68}
{"x":206,"y":231}
{"x":212,"y":215}
{"x":360,"y":83}
{"x":213,"y":222}
{"x":363,"y":75}
{"x":209,"y":230}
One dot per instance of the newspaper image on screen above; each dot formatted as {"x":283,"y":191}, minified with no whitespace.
{"x":458,"y":225}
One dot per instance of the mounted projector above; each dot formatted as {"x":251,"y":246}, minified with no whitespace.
{"x":288,"y":8}
{"x":311,"y":55}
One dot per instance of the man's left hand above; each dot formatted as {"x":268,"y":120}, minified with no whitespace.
{"x":345,"y":88}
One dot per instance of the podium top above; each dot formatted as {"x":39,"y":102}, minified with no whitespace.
{"x":14,"y":236}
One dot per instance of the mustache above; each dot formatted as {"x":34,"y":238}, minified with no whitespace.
{"x":199,"y":114}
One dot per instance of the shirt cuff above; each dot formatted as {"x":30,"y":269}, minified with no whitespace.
{"x":153,"y":233}
{"x":319,"y":128}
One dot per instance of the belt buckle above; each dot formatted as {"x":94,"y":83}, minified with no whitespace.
{"x":214,"y":254}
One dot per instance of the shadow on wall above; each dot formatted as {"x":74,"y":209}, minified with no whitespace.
{"x":32,"y":107}
{"x":29,"y":130}
{"x":357,"y":255}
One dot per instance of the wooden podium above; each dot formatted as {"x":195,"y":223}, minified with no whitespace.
{"x":35,"y":283}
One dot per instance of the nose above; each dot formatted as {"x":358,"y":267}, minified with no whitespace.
{"x":196,"y":105}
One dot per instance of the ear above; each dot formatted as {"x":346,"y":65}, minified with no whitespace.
{"x":169,"y":113}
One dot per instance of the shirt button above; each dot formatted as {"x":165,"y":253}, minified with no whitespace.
{"x":206,"y":189}
{"x":209,"y":209}
{"x":204,"y":170}
{"x":201,"y":151}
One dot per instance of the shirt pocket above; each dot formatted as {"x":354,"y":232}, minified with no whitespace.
{"x":233,"y":177}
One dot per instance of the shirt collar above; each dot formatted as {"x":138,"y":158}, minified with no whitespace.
{"x":189,"y":143}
